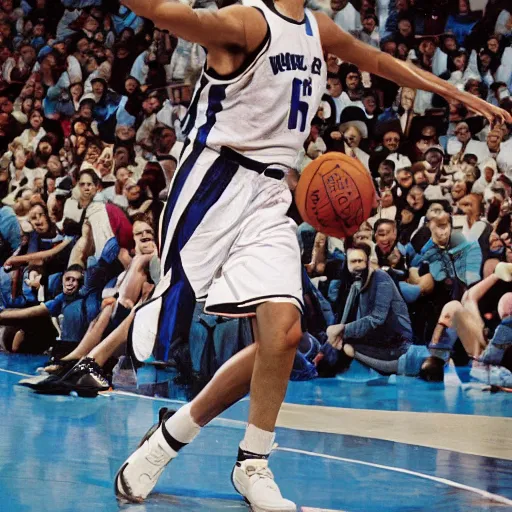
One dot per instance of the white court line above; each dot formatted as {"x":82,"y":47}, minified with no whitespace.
{"x":17,"y":373}
{"x":484,"y":494}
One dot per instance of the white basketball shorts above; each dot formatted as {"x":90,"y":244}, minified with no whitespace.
{"x":225,"y":240}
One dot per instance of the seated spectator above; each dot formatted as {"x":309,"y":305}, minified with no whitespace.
{"x":375,"y":329}
{"x":31,"y":331}
{"x":492,"y":361}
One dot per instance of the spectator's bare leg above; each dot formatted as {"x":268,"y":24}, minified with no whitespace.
{"x":131,"y":287}
{"x":101,"y":353}
{"x":470,"y":332}
{"x":18,"y":340}
{"x":83,"y":248}
{"x":445,"y":319}
{"x":93,"y":335}
{"x":318,"y":256}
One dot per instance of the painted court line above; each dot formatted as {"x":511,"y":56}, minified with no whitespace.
{"x":484,"y":494}
{"x":17,"y":373}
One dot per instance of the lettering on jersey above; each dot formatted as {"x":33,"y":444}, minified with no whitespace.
{"x":287,"y":62}
{"x":316,"y":67}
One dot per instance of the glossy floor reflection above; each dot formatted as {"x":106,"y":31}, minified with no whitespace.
{"x":61,"y":453}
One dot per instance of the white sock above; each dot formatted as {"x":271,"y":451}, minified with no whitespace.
{"x":257,"y":441}
{"x":181,"y":426}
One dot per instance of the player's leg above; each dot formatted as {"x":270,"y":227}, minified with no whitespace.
{"x":278,"y":334}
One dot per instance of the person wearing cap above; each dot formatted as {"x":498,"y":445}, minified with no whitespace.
{"x":351,"y":131}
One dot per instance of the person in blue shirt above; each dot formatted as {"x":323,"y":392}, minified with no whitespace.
{"x":29,"y":319}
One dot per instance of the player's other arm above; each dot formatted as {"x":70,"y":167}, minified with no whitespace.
{"x":224,"y":28}
{"x":367,"y":58}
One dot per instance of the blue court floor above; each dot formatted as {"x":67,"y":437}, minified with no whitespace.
{"x":360,"y":443}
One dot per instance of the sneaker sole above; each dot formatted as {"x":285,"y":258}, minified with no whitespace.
{"x":120,"y":487}
{"x":65,"y":389}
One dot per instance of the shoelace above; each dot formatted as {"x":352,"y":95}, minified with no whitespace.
{"x":92,"y":367}
{"x":262,"y":473}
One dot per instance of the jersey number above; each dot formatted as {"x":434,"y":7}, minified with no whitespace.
{"x":301,"y":90}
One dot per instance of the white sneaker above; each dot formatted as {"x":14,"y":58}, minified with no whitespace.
{"x":140,"y":473}
{"x":255,"y":482}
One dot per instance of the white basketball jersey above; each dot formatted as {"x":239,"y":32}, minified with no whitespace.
{"x":264,"y":110}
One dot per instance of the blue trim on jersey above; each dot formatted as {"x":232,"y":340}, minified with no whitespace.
{"x":190,"y":119}
{"x":173,"y":327}
{"x":216,"y":95}
{"x":309,"y":28}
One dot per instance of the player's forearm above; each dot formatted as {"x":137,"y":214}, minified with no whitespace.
{"x":406,"y":74}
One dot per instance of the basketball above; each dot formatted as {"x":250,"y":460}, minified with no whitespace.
{"x":335,"y":194}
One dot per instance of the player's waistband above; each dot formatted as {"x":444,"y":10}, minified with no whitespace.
{"x":275,"y":170}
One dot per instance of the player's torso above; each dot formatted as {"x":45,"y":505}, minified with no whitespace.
{"x":265,"y":111}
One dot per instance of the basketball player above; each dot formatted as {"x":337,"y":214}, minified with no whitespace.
{"x":225,"y":235}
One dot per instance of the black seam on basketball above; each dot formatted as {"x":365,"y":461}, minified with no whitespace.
{"x":360,"y":206}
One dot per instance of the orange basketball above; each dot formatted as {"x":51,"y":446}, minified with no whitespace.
{"x":335,"y":194}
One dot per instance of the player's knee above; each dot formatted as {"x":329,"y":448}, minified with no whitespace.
{"x":293,"y":336}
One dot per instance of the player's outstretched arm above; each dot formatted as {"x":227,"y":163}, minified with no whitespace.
{"x":223,"y":28}
{"x":406,"y":74}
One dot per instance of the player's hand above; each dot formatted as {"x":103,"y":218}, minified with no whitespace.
{"x":335,"y":335}
{"x":495,"y":115}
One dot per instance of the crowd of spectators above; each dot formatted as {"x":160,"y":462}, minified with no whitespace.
{"x":93,"y":103}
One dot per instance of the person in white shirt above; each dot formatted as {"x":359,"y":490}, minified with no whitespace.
{"x":391,"y":141}
{"x":30,"y":137}
{"x":345,"y":15}
{"x":463,"y":144}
